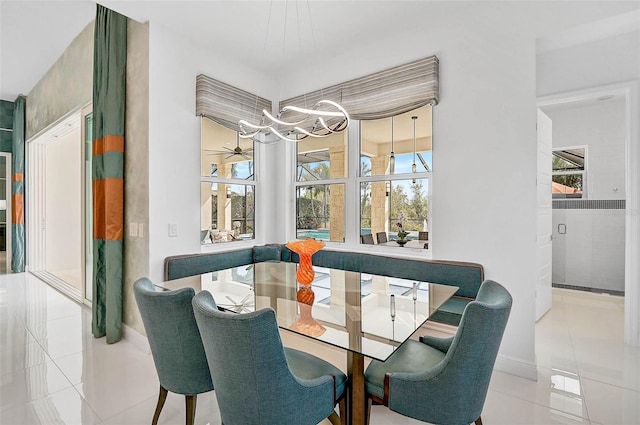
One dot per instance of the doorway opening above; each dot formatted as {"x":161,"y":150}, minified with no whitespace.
{"x":588,"y":165}
{"x":57,"y":224}
{"x":5,"y":212}
{"x":593,"y":239}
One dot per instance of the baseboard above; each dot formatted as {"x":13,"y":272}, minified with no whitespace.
{"x":585,"y":289}
{"x":517,"y":367}
{"x":136,"y":338}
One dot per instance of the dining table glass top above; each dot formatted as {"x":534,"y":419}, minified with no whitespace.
{"x":367,"y":314}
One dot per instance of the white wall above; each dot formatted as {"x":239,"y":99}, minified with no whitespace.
{"x":593,"y":64}
{"x":484,"y":191}
{"x":601,"y":128}
{"x":174,"y":143}
{"x":64,"y":207}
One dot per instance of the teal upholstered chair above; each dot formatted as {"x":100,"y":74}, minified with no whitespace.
{"x":258,"y":381}
{"x":175,"y":343}
{"x":445,"y":380}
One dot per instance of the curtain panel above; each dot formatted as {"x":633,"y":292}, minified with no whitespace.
{"x":17,"y":187}
{"x":382,"y":94}
{"x":109,"y":76}
{"x":226,"y":105}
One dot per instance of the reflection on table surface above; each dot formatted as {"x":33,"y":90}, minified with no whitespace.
{"x":360,"y":312}
{"x":412,"y":243}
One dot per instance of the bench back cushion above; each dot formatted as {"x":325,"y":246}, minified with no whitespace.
{"x":179,"y":266}
{"x":269,"y":252}
{"x":468,"y":276}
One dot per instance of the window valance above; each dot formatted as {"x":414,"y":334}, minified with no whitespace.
{"x":382,"y":94}
{"x":225,"y":104}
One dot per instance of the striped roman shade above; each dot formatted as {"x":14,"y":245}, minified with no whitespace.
{"x":392,"y":91}
{"x":382,"y":94}
{"x":226,"y":105}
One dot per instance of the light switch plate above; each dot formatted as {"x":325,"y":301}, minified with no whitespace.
{"x":133,"y":230}
{"x":173,"y":230}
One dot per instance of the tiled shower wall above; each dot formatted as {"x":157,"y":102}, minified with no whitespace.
{"x":588,"y":244}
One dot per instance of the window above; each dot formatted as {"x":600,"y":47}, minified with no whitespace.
{"x":395,"y":171}
{"x":568,"y":173}
{"x":388,"y":195}
{"x":393,"y":151}
{"x":227,"y":185}
{"x":321,"y":171}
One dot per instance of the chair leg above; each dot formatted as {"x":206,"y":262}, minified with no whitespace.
{"x":334,"y":419}
{"x":478,"y":421}
{"x":343,"y":411}
{"x":342,"y":420}
{"x":368,"y":411}
{"x":190,"y":401}
{"x":162,"y":397}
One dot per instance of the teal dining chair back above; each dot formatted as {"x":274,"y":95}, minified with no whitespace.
{"x":258,"y":381}
{"x":445,"y":380}
{"x":175,"y":343}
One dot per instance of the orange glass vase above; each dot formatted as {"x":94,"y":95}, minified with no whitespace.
{"x":306,"y":324}
{"x":305,"y":250}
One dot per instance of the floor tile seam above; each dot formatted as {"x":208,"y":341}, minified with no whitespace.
{"x":37,"y":398}
{"x":611,"y":385}
{"x":53,"y":359}
{"x":571,"y":341}
{"x":155,"y":398}
{"x":536,"y":403}
{"x":95,"y":412}
{"x":27,"y":367}
{"x":571,"y":334}
{"x":46,"y":353}
{"x":65,"y":389}
{"x":118,"y":412}
{"x":101,"y":374}
{"x":584,"y":395}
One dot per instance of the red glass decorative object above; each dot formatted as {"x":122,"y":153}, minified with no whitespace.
{"x":305,"y":250}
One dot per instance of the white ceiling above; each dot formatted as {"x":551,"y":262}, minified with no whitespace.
{"x":33,"y":34}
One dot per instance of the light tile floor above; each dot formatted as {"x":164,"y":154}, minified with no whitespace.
{"x":52,"y":371}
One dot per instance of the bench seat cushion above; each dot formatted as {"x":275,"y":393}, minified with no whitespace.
{"x":451,"y":311}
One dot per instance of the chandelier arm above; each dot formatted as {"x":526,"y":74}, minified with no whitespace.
{"x":281,"y":122}
{"x":310,"y":134}
{"x":242,"y":123}
{"x":313,"y":111}
{"x":282,"y":136}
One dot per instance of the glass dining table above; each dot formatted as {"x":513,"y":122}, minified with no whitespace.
{"x":365,"y":315}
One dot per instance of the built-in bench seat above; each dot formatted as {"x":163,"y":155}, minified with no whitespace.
{"x":467,"y":276}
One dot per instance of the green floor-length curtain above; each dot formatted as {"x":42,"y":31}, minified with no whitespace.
{"x":109,"y":76}
{"x":17,"y":187}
